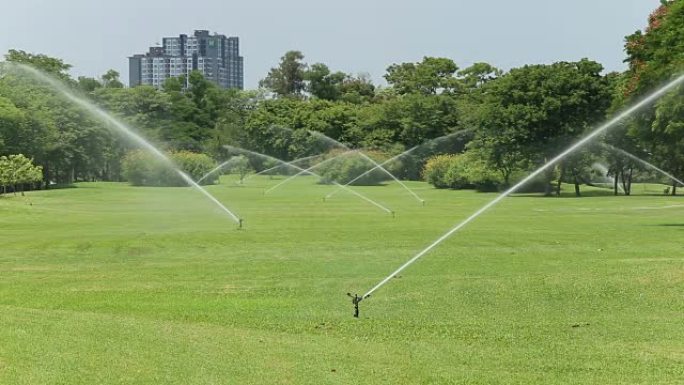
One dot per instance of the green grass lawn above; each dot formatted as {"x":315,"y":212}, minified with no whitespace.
{"x":110,"y":284}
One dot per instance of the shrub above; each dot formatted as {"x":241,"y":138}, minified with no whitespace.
{"x":347,"y":166}
{"x":436,"y":169}
{"x":141,"y":168}
{"x":466,"y":170}
{"x":18,"y":172}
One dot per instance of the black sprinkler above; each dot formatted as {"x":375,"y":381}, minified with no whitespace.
{"x":355,"y":300}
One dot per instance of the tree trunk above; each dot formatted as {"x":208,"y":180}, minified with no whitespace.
{"x":674,"y":188}
{"x":560,"y":181}
{"x":577,"y":184}
{"x":507,"y":178}
{"x":629,"y":180}
{"x":615,"y":184}
{"x":46,"y":175}
{"x":625,"y":188}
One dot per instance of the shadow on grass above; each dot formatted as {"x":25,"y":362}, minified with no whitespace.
{"x":62,"y":187}
{"x":671,"y":225}
{"x":565,"y":195}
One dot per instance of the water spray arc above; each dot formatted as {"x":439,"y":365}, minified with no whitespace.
{"x":376,"y":164}
{"x":645,"y":163}
{"x":296,"y":161}
{"x":604,"y":174}
{"x":307,"y":170}
{"x":215,"y":169}
{"x":108,"y":119}
{"x":410,"y":150}
{"x":356,"y":193}
{"x":371,"y":170}
{"x":586,"y":139}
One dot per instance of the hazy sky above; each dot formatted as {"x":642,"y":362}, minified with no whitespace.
{"x":352,"y":36}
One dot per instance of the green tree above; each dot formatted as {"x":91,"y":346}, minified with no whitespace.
{"x":111,"y":80}
{"x":656,"y":55}
{"x":239,"y":165}
{"x":53,"y":66}
{"x":322,"y":83}
{"x":531,"y":113}
{"x":17,"y":171}
{"x":478,"y":74}
{"x":429,"y":77}
{"x":87,"y":85}
{"x":357,"y":89}
{"x":288,"y":78}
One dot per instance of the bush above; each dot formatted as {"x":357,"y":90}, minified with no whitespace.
{"x":462,"y":171}
{"x":347,"y":166}
{"x":18,"y":172}
{"x":141,"y":168}
{"x":436,"y":169}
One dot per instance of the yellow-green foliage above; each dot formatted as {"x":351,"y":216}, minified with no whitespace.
{"x":436,"y":168}
{"x":466,"y":170}
{"x":18,"y":171}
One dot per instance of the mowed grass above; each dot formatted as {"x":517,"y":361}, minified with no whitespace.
{"x":110,"y":284}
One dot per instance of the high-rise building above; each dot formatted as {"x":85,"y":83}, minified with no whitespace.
{"x":217,"y":57}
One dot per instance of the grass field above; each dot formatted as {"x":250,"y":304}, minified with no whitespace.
{"x":111,"y":284}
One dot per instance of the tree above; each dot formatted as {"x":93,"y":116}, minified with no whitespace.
{"x":478,"y":74}
{"x":408,"y":119}
{"x":357,"y":89}
{"x":322,"y":83}
{"x":17,"y":171}
{"x":111,"y":80}
{"x":429,"y":77}
{"x":655,"y":56}
{"x":239,"y":165}
{"x":531,"y":113}
{"x":87,"y":84}
{"x":53,"y":66}
{"x":288,"y":78}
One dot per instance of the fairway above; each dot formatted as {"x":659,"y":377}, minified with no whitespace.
{"x":110,"y":284}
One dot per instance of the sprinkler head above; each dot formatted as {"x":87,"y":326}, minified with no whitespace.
{"x":393,"y":216}
{"x":422,"y":202}
{"x":240,"y":223}
{"x":355,"y":300}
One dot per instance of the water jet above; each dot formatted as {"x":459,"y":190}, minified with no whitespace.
{"x":583,"y":141}
{"x":121,"y":127}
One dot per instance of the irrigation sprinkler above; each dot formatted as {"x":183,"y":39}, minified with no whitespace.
{"x":356,"y":299}
{"x":572,"y":148}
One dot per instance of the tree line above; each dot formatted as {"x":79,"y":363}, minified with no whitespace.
{"x":515,"y":120}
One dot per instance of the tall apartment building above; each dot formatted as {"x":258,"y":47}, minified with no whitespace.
{"x":217,"y":57}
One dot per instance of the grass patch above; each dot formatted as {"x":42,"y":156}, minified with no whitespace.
{"x":112,"y":284}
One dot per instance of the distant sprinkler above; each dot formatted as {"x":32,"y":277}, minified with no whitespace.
{"x":240,"y":223}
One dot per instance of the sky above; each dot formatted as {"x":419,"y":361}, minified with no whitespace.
{"x":354,"y":36}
